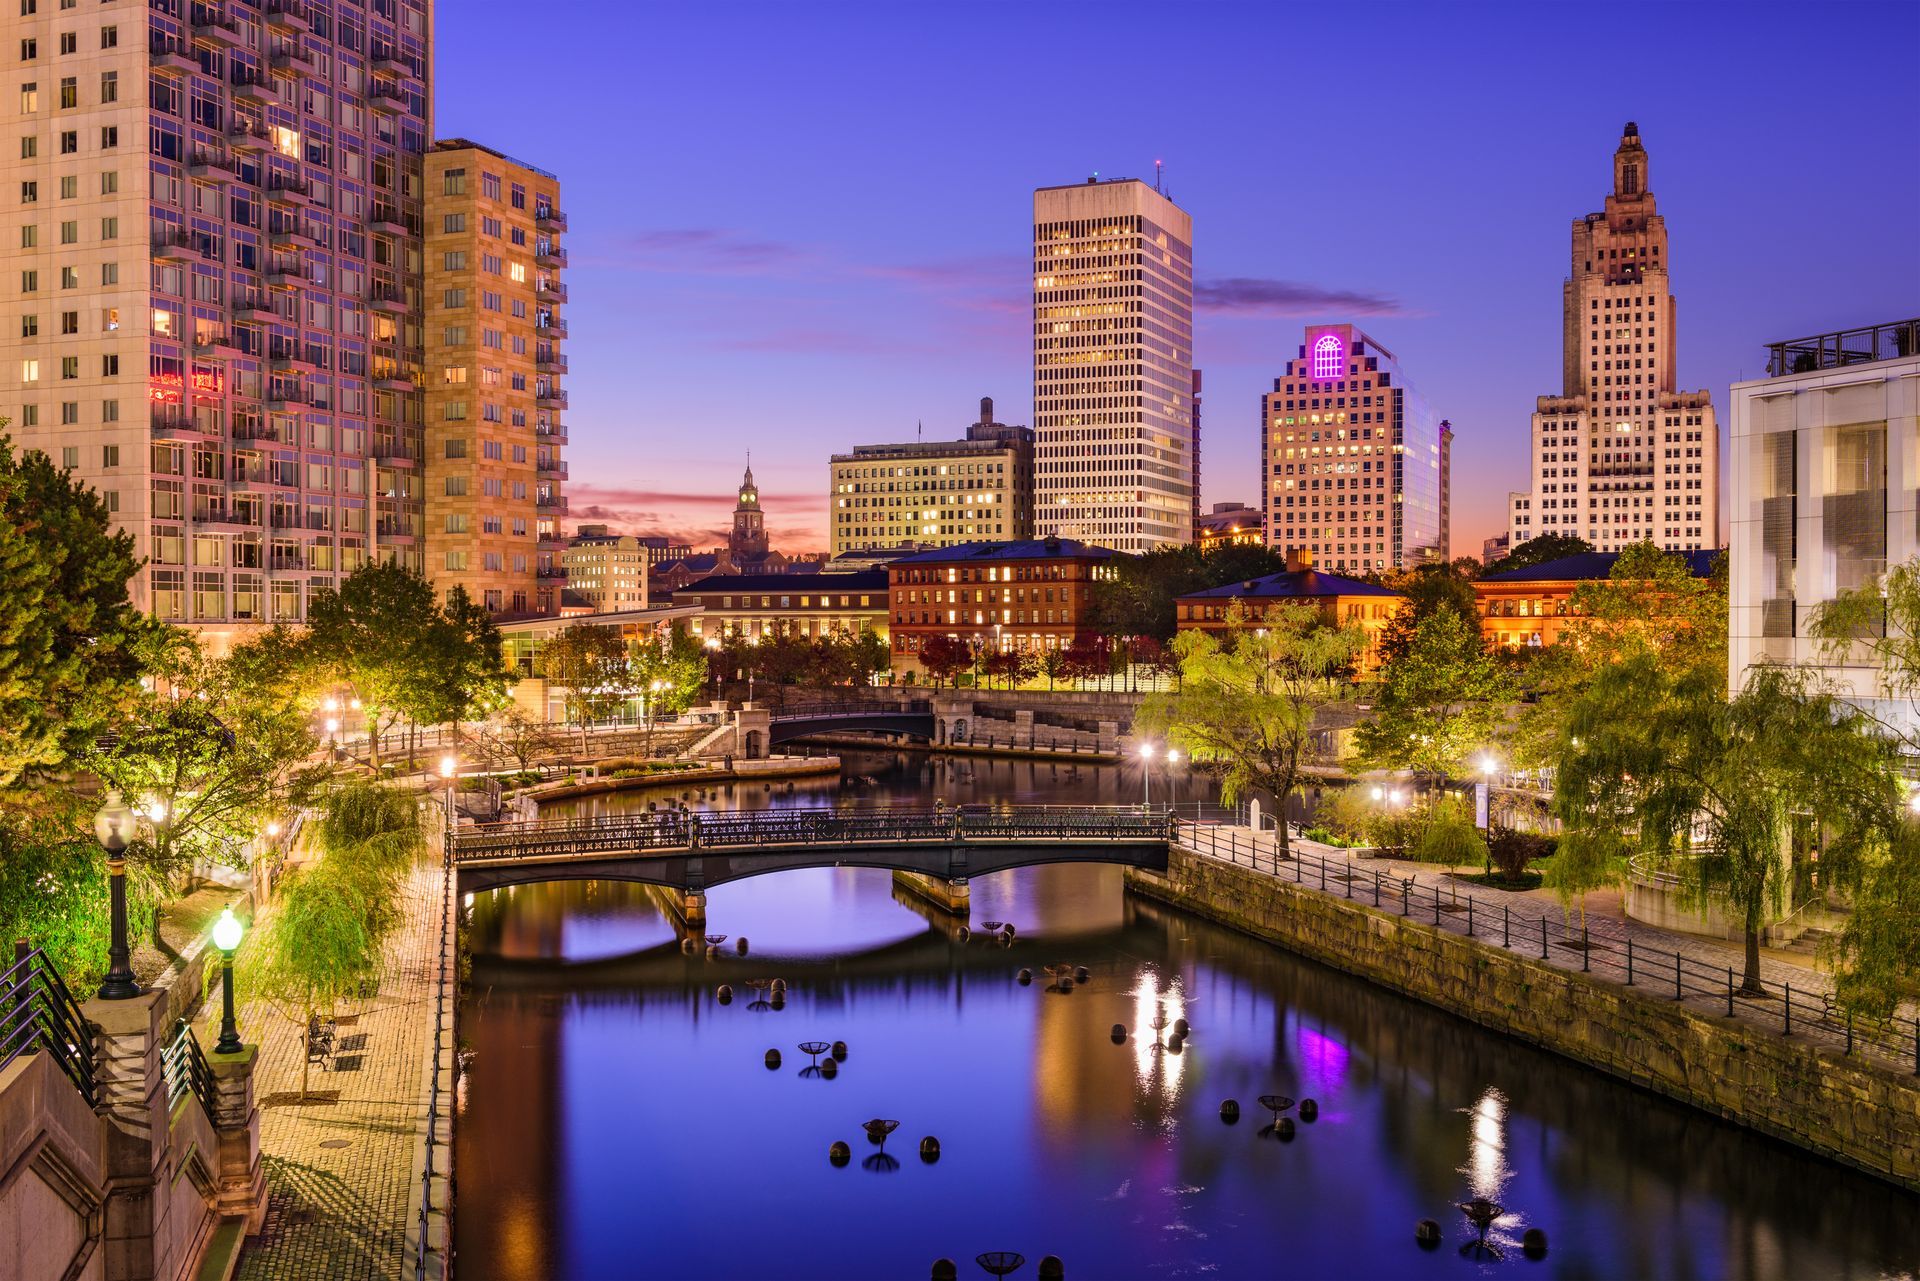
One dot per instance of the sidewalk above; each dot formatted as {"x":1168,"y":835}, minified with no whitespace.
{"x":340,"y":1196}
{"x":1514,"y":920}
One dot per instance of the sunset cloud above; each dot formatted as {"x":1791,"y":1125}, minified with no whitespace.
{"x":1256,"y":296}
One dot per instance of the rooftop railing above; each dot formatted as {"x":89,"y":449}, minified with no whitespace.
{"x":1843,"y":348}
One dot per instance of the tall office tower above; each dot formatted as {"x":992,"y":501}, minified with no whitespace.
{"x":1195,"y":416}
{"x":211,"y":255}
{"x":493,"y":468}
{"x":935,"y":493}
{"x":1353,"y":466}
{"x":1621,"y":455}
{"x":1113,"y":365}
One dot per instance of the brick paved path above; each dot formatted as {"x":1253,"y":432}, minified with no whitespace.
{"x":1515,"y":920}
{"x":340,"y":1192}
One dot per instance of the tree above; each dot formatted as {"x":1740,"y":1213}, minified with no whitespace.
{"x":676,"y":662}
{"x":590,"y":662}
{"x":214,"y":746}
{"x":1440,"y":699}
{"x":1249,"y":700}
{"x":518,"y":736}
{"x":375,"y":633}
{"x":945,"y":657}
{"x":1429,"y":589}
{"x":1661,"y":763}
{"x":1053,"y":665}
{"x":868,"y":656}
{"x":68,"y":631}
{"x":1086,"y":659}
{"x":464,"y":674}
{"x":1540,"y":550}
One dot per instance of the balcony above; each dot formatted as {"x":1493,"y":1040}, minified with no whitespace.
{"x":551,"y":256}
{"x":286,"y":400}
{"x":550,"y":291}
{"x":551,"y":327}
{"x":551,"y":398}
{"x":291,"y":59}
{"x":212,"y":28}
{"x":286,"y":17}
{"x":397,"y":380}
{"x":214,"y":342}
{"x":251,"y":429}
{"x":394,"y":453}
{"x":554,"y":503}
{"x":551,"y":433}
{"x":285,"y":273}
{"x":209,"y":165}
{"x":292,"y":235}
{"x":225,"y":518}
{"x":551,"y":469}
{"x":393,"y":62}
{"x":551,"y":571}
{"x":388,"y":221}
{"x":550,"y":362}
{"x":288,"y":190}
{"x":388,"y":98}
{"x":290,"y":358}
{"x":549,"y":220}
{"x":171,"y":422}
{"x":170,"y":55}
{"x":245,"y":136}
{"x":1843,"y":348}
{"x":252,"y":86}
{"x":389,"y":298}
{"x":175,"y":244}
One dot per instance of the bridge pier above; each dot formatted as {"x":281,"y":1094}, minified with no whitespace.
{"x":693,"y":908}
{"x":951,"y":895}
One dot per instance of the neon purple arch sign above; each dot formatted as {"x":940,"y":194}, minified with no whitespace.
{"x":1329,"y":357}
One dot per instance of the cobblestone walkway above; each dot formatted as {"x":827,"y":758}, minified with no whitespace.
{"x":340,"y":1194}
{"x":1518,"y":922}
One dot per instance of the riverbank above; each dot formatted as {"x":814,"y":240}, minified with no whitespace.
{"x":1845,"y":1107}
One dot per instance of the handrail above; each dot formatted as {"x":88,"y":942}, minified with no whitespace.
{"x":439,"y":1021}
{"x":37,"y":1012}
{"x":671,"y":831}
{"x":184,"y":1065}
{"x":1606,"y":947}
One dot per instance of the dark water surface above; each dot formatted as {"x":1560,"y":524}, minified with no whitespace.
{"x":618,"y":1122}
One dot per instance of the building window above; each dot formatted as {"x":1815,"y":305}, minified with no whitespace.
{"x":1329,"y":361}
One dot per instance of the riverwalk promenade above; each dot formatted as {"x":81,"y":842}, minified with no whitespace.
{"x":342,"y":1167}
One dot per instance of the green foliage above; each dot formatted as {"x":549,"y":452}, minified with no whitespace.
{"x":1540,"y":550}
{"x":1440,"y":698}
{"x":1448,"y":836}
{"x":1512,"y":851}
{"x":218,"y":743}
{"x":590,"y":662}
{"x":375,"y":633}
{"x":1139,"y":599}
{"x":1443,"y":587}
{"x":67,"y":629}
{"x":675,"y":661}
{"x":53,"y":891}
{"x":1348,"y":812}
{"x":461,"y":673}
{"x":375,"y":825}
{"x":1249,"y":699}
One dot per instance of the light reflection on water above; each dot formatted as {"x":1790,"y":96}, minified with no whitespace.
{"x":618,"y":1122}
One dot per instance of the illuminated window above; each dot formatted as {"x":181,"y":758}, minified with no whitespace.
{"x":1329,"y":360}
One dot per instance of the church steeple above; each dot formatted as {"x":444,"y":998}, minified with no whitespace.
{"x":748,"y":542}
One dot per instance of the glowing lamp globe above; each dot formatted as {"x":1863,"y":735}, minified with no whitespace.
{"x":1146,"y":751}
{"x":447,"y":766}
{"x":113,"y":825}
{"x":227,"y":931}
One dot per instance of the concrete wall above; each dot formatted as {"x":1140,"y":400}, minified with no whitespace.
{"x":52,"y":1175}
{"x":1845,"y":1108}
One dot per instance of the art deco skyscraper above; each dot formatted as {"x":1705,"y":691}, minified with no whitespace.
{"x":493,"y":403}
{"x":1621,"y":455}
{"x":1113,"y":365}
{"x":211,"y":269}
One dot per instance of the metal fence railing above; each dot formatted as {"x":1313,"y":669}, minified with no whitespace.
{"x":39,"y":1015}
{"x":1595,"y":946}
{"x":184,"y":1066}
{"x":435,"y":1099}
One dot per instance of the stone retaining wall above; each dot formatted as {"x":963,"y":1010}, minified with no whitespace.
{"x":1845,"y":1108}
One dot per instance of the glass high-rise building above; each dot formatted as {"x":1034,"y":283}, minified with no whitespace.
{"x":1113,"y":388}
{"x":210,"y":284}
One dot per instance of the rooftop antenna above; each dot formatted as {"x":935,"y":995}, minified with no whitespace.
{"x":1157,"y":166}
{"x":919,"y":426}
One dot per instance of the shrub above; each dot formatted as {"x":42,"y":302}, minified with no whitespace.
{"x":1511,"y":851}
{"x":1448,"y":836}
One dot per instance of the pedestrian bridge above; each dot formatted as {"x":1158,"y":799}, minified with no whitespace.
{"x":910,"y":718}
{"x":693,"y":852}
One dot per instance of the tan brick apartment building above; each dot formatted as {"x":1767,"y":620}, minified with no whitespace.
{"x":494,"y":400}
{"x":1028,"y":595}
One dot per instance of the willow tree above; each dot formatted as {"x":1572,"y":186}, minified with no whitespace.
{"x":1661,"y":763}
{"x":1250,"y":699}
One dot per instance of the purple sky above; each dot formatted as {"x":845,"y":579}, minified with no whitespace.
{"x":797,"y":228}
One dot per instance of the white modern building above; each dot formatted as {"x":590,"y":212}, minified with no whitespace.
{"x":1824,"y":465}
{"x":1113,"y":386}
{"x":1621,"y":455}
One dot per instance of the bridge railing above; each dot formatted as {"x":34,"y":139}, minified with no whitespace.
{"x":39,"y":1015}
{"x":826,"y":710}
{"x":671,"y":830}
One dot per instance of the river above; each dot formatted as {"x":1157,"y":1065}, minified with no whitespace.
{"x":617,"y":1121}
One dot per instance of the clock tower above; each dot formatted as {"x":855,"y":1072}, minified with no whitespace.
{"x":748,"y":541}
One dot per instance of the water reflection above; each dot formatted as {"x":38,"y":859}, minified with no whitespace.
{"x":617,"y":1122}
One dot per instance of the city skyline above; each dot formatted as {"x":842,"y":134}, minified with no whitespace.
{"x":886,"y":283}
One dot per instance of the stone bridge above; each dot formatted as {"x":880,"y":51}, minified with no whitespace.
{"x":944,"y":719}
{"x":934,"y":852}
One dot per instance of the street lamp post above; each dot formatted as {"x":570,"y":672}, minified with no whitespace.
{"x":114,"y":826}
{"x":1146,"y":775}
{"x":449,"y":773}
{"x":654,"y":689}
{"x":226,"y":936}
{"x":1485,"y":799}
